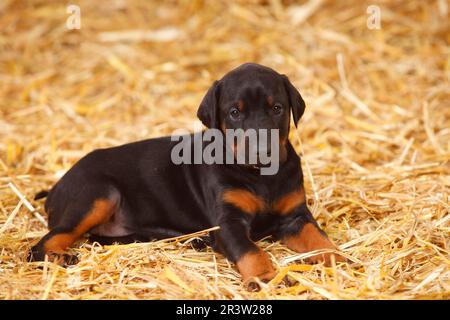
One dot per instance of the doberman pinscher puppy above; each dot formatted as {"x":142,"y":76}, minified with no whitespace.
{"x":134,"y":192}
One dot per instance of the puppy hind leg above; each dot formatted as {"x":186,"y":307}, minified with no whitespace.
{"x":77,"y":220}
{"x":54,"y":244}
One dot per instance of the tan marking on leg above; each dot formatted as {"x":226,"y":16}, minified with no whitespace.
{"x":59,"y":242}
{"x":256,"y":265}
{"x":100,"y":213}
{"x":245,"y":200}
{"x":290,"y":201}
{"x":310,"y":239}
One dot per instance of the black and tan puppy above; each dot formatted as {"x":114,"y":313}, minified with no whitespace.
{"x":135,"y":192}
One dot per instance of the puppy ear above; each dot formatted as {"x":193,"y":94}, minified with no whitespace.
{"x":208,"y":111}
{"x":296,"y":102}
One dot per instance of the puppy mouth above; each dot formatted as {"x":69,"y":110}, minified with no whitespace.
{"x":257,"y":162}
{"x":255,"y":166}
{"x":252,"y":154}
{"x":259,"y":166}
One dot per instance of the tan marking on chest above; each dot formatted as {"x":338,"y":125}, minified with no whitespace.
{"x":285,"y":204}
{"x":251,"y":203}
{"x":245,"y":200}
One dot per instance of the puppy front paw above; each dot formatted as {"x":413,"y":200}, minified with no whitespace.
{"x":326,"y":258}
{"x":255,"y":265}
{"x":311,"y":238}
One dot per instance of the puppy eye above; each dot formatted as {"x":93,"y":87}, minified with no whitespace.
{"x":234,"y":113}
{"x":277,"y":108}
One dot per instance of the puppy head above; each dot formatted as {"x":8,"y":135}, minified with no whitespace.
{"x":253,"y":97}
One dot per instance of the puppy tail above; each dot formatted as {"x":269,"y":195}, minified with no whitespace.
{"x":41,"y":195}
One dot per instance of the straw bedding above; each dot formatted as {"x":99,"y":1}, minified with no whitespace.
{"x":375,"y":137}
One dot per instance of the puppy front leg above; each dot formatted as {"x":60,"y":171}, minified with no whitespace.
{"x":233,"y":240}
{"x":300,"y":232}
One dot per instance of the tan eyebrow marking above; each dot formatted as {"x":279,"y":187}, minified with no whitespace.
{"x":241,"y":105}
